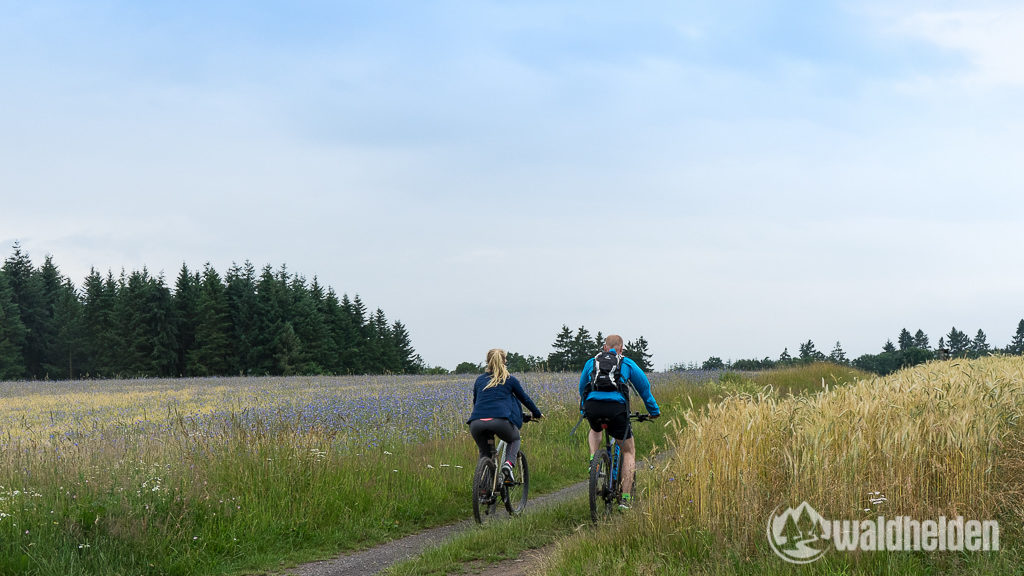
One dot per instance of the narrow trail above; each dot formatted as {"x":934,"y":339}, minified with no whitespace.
{"x":373,"y":560}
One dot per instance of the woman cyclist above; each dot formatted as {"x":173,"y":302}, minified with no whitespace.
{"x":497,"y":396}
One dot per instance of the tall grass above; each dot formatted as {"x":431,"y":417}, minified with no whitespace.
{"x":237,"y":475}
{"x":938,"y":439}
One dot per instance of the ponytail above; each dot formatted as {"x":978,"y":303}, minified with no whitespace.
{"x":496,"y":367}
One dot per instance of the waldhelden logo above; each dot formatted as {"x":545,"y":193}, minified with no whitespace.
{"x":796,"y":535}
{"x":801,"y":535}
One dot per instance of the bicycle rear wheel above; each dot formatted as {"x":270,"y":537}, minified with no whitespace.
{"x":485,"y":501}
{"x":600,"y":488}
{"x":514,"y":495}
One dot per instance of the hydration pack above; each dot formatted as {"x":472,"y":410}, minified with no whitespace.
{"x":607,"y":375}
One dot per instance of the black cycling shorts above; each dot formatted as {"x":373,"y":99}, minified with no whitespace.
{"x":614,"y":414}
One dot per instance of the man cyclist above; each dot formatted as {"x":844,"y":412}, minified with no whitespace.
{"x":608,"y":403}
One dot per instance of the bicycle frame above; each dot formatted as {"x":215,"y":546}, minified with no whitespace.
{"x":498,"y":454}
{"x":487,"y":493}
{"x":603,"y":495}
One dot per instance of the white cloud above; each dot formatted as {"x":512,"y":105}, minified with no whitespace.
{"x":991,"y":40}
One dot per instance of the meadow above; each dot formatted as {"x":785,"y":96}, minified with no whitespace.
{"x":939,"y":439}
{"x":242,"y":475}
{"x":235,"y":475}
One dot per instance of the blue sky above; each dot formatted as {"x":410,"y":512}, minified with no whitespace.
{"x":724,"y":179}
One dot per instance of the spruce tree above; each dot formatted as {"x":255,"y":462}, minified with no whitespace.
{"x":409,"y":361}
{"x":581,"y":349}
{"x":838,"y":355}
{"x":1017,"y":343}
{"x":186,"y":308}
{"x":980,"y":346}
{"x":12,"y":334}
{"x":240,"y":292}
{"x":68,"y":354}
{"x":27,"y":292}
{"x":101,"y":337}
{"x":905,"y":339}
{"x":561,"y":358}
{"x":921,"y":340}
{"x":211,"y":354}
{"x":959,"y":343}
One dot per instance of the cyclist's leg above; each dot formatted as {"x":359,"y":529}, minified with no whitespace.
{"x":508,"y":432}
{"x":628,"y":448}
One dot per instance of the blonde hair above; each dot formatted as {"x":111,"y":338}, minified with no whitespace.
{"x":496,"y":367}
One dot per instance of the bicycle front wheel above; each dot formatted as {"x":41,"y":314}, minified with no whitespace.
{"x":484,"y":498}
{"x":514,"y":495}
{"x":600,"y":487}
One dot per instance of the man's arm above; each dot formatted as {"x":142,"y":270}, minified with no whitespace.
{"x":642,"y":385}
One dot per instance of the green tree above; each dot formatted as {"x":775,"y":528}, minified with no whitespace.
{"x":102,"y":338}
{"x":959,"y":343}
{"x":186,"y":310}
{"x":1016,"y":345}
{"x":905,"y":340}
{"x":68,"y":353}
{"x":468,"y":368}
{"x":838,"y":355}
{"x":274,"y":340}
{"x":381,"y":356}
{"x":582,"y":349}
{"x":409,"y":361}
{"x":318,"y":331}
{"x":808,"y":353}
{"x":713,"y":363}
{"x":310,"y":326}
{"x":980,"y":346}
{"x":240,"y":293}
{"x":517,"y":362}
{"x":211,"y":354}
{"x":785,"y":358}
{"x":889,"y":347}
{"x":921,"y":340}
{"x":27,"y":292}
{"x":560,"y":360}
{"x":12,"y":334}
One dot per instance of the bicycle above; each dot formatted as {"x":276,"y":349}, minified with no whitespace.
{"x":489,"y":482}
{"x":605,"y":474}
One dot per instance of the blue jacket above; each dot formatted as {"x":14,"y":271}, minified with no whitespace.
{"x":632,"y":374}
{"x":501,"y":401}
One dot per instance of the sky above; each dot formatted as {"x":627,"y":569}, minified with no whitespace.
{"x":725,"y":179}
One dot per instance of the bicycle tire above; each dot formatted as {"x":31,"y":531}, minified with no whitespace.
{"x":484,"y":500}
{"x":600,"y":491}
{"x":514,"y":496}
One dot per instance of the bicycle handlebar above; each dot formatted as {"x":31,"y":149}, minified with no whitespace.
{"x":640,"y":417}
{"x":527,"y":417}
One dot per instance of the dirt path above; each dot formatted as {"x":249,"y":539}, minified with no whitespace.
{"x":373,"y":560}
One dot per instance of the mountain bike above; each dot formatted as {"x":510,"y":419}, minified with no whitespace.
{"x":489,"y":484}
{"x":606,"y":474}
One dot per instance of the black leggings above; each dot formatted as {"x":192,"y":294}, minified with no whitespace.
{"x":484,"y":430}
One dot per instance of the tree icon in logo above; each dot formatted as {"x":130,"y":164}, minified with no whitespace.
{"x":798,"y":535}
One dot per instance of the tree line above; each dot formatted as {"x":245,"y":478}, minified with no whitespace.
{"x":571,"y":350}
{"x":909,"y":350}
{"x":133,"y":325}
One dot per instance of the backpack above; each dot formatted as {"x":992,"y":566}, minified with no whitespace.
{"x":607,"y":376}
